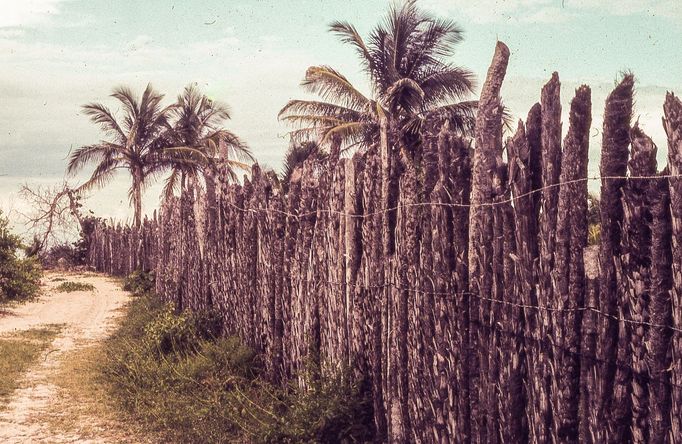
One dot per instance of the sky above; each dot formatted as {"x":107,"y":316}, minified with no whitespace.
{"x":56,"y":55}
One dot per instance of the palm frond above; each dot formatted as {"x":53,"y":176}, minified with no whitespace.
{"x":448,"y":84}
{"x":435,"y":40}
{"x":316,"y":107}
{"x":102,"y":116}
{"x":349,"y":34}
{"x":333,"y":86}
{"x":461,"y":116}
{"x":405,"y":93}
{"x":88,"y":154}
{"x":127,"y":98}
{"x":101,"y":176}
{"x":347,"y":133}
{"x":296,"y":155}
{"x":171,"y":184}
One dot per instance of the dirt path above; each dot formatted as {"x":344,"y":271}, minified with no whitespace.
{"x":88,"y":317}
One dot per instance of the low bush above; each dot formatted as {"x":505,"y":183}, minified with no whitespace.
{"x":139,"y":282}
{"x":19,"y":276}
{"x":70,"y":286}
{"x":179,"y":376}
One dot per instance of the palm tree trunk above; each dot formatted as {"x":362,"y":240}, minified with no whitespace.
{"x":137,"y":199}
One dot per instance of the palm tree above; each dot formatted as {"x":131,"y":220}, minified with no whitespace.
{"x":412,"y":83}
{"x":132,"y":142}
{"x":197,"y":144}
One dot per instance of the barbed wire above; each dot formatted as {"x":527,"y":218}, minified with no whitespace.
{"x":395,"y":286}
{"x":484,"y":204}
{"x":494,"y":203}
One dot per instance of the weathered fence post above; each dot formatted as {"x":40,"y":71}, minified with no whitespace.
{"x":569,"y":268}
{"x":512,"y":402}
{"x":488,"y":149}
{"x":672,"y":123}
{"x":615,"y":377}
{"x":659,"y":358}
{"x":635,"y":278}
{"x":551,"y":168}
{"x":460,"y":192}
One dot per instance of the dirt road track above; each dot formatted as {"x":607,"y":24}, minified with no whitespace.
{"x":87,"y":317}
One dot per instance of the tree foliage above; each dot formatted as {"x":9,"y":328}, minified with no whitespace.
{"x":406,"y":61}
{"x":19,"y":276}
{"x":197,"y":141}
{"x":132,"y":142}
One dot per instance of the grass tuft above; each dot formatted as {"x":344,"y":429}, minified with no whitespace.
{"x":19,"y":351}
{"x":70,"y":286}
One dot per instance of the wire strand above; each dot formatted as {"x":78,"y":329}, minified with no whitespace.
{"x":452,"y":205}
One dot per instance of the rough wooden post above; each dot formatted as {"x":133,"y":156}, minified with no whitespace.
{"x":524,"y":152}
{"x":406,"y":263}
{"x":672,"y":123}
{"x":353,"y":241}
{"x":373,"y":294}
{"x":520,"y":182}
{"x":513,"y":424}
{"x":589,"y":399}
{"x":488,"y":148}
{"x":659,"y":358}
{"x":635,"y":278}
{"x":551,"y":168}
{"x":460,"y":186}
{"x":615,"y":394}
{"x":290,"y":268}
{"x":569,"y":268}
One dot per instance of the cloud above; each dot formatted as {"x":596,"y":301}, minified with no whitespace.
{"x":27,"y":13}
{"x":552,"y":11}
{"x":9,"y":33}
{"x":492,"y":11}
{"x":671,"y":9}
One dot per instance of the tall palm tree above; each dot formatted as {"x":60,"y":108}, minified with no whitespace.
{"x":132,"y":142}
{"x":197,"y":143}
{"x":412,"y":83}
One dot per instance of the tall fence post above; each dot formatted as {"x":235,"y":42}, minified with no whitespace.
{"x":488,"y":148}
{"x":615,"y":377}
{"x":635,"y":276}
{"x":672,"y":123}
{"x":569,"y":268}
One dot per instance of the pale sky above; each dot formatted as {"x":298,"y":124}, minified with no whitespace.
{"x":56,"y":55}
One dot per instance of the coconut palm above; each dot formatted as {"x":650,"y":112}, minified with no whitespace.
{"x":412,"y":83}
{"x":132,"y":142}
{"x":198,"y":142}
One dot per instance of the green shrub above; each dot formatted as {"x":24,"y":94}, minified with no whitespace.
{"x":177,"y":376}
{"x":330,"y":409}
{"x":19,"y":277}
{"x":139,"y":282}
{"x":70,"y":286}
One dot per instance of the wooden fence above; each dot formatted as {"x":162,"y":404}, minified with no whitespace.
{"x":453,"y":281}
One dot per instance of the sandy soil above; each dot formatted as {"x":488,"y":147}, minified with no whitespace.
{"x":87,"y":317}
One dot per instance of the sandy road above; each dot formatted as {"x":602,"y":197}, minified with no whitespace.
{"x":87,"y":317}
